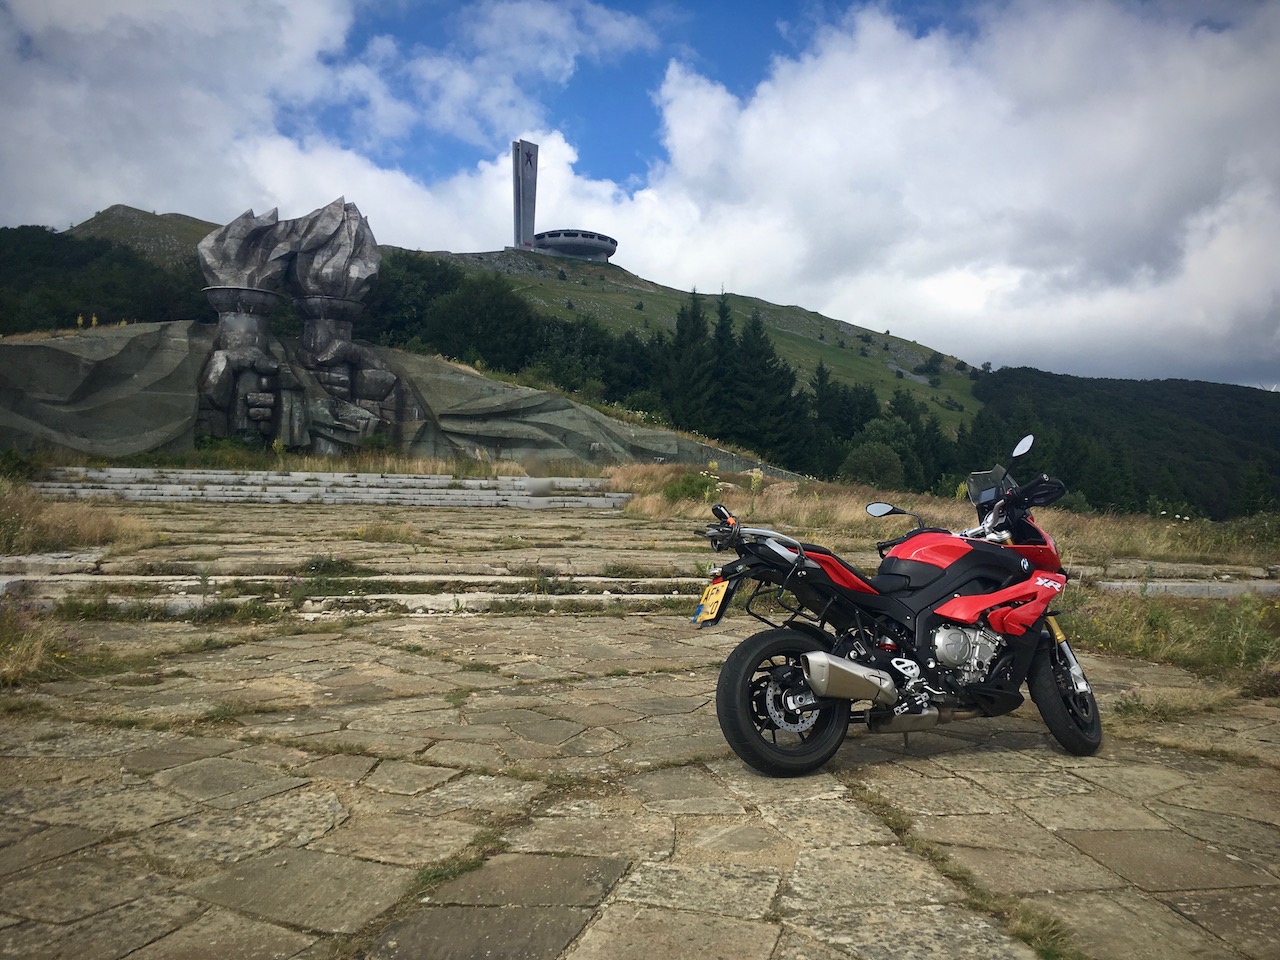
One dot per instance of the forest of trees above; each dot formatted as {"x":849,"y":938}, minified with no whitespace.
{"x":715,"y":375}
{"x":1175,"y":445}
{"x":49,"y":279}
{"x":1183,"y":446}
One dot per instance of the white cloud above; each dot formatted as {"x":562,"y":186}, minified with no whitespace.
{"x":1088,"y":188}
{"x":1081,"y":187}
{"x":147,"y":102}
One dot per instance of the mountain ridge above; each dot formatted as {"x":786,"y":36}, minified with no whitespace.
{"x":621,"y":300}
{"x":1122,"y":444}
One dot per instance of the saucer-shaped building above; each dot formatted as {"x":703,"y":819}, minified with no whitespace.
{"x":583,"y":244}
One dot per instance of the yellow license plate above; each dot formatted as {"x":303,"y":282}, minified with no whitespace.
{"x":709,"y":605}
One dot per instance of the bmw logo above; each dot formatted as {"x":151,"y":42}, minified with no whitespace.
{"x":1026,"y":565}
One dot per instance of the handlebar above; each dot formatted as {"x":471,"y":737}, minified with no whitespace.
{"x":987,"y":528}
{"x":1040,"y":492}
{"x":882,"y":546}
{"x":728,"y":532}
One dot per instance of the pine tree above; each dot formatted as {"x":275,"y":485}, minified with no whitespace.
{"x":690,"y":368}
{"x":724,"y":361}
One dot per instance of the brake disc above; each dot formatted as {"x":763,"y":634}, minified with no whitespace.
{"x":788,"y":720}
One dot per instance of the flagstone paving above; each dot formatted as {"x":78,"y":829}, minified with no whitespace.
{"x":555,"y":785}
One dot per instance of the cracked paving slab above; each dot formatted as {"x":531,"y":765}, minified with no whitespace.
{"x":556,"y":786}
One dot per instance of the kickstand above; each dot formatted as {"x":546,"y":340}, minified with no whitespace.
{"x":906,"y":741}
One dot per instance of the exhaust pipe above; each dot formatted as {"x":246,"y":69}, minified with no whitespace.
{"x":830,"y":676}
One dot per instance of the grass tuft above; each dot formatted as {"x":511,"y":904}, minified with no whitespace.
{"x":486,"y":844}
{"x":29,"y":648}
{"x":31,"y":524}
{"x":1233,"y":639}
{"x":1163,"y":706}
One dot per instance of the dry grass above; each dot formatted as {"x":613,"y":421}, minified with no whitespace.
{"x":1101,"y":538}
{"x":1238,"y":639}
{"x":31,"y":524}
{"x":27,"y":646}
{"x":1164,"y":705}
{"x":388,"y":533}
{"x":835,"y":513}
{"x":380,"y":462}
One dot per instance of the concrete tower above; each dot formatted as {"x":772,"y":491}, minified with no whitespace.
{"x":524,"y":171}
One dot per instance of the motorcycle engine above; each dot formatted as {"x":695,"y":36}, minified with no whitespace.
{"x":967,"y":650}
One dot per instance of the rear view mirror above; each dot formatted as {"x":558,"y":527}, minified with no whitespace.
{"x":880,"y":509}
{"x":1024,"y":445}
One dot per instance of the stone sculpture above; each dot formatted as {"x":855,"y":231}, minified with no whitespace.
{"x":326,"y":261}
{"x":116,"y":391}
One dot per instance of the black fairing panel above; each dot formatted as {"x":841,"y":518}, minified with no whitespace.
{"x":1002,"y":563}
{"x":917,"y":574}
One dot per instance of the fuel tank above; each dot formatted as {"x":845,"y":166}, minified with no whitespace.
{"x":929,"y":556}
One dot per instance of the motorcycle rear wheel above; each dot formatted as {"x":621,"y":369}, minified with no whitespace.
{"x":753,"y":712}
{"x":1071,"y":717}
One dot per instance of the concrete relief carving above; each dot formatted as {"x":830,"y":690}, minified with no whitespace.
{"x":326,"y":261}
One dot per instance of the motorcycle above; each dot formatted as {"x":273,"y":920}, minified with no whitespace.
{"x":949,"y":628}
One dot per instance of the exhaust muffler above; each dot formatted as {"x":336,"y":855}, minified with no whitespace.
{"x":830,"y":676}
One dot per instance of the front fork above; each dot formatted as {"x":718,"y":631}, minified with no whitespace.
{"x":1078,"y":680}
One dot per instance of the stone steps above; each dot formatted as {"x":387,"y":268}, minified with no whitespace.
{"x":1203,"y":589}
{"x":268,"y":487}
{"x":43,"y":586}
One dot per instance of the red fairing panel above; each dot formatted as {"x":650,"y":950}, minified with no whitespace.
{"x":840,"y":574}
{"x":1011,"y":610}
{"x":936,"y":549}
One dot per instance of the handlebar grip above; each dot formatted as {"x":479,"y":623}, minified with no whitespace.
{"x":1020,"y":492}
{"x":1040,"y":492}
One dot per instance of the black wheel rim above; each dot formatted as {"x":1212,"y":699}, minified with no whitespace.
{"x":777,"y":725}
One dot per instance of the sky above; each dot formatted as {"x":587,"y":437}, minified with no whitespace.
{"x":1088,"y":187}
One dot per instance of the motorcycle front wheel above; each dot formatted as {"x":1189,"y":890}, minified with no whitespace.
{"x":755,"y":709}
{"x":1071,"y":717}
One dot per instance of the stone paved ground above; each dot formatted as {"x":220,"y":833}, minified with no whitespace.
{"x":316,"y":787}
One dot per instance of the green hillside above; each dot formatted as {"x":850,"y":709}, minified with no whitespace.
{"x":167,"y":238}
{"x":621,"y":301}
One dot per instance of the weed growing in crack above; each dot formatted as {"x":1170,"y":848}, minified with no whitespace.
{"x":1045,"y":934}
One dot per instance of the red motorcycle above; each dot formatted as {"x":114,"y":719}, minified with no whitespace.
{"x":949,"y":628}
